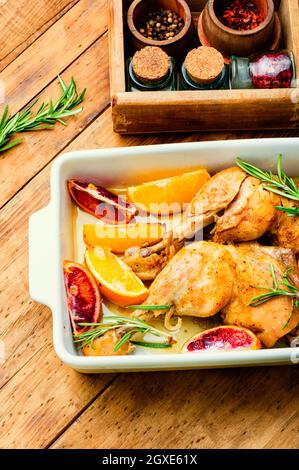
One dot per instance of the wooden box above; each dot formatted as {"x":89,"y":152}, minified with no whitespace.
{"x":142,"y":112}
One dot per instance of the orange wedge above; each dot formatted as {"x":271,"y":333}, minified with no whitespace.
{"x":116,"y":280}
{"x":168,"y":195}
{"x":121,"y":237}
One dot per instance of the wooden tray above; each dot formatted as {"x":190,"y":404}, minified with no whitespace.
{"x":142,"y":112}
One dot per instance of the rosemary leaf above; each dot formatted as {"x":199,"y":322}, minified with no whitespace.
{"x":277,"y":291}
{"x":123,"y":340}
{"x":291,"y":211}
{"x":126,"y":325}
{"x":45,"y":117}
{"x":280,"y":184}
{"x":146,"y":344}
{"x":289,"y":317}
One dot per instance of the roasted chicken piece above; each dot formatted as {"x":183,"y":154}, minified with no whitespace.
{"x":274,"y":318}
{"x":215,"y":196}
{"x":285,"y":229}
{"x":205,"y":278}
{"x":242,"y":211}
{"x":249,"y":216}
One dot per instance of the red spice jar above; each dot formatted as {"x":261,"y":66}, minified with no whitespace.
{"x":241,"y":15}
{"x":267,"y":70}
{"x":251,"y":29}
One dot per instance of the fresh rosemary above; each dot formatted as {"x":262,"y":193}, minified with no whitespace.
{"x":150,"y":307}
{"x":45,"y":118}
{"x":277,"y":291}
{"x":280,"y":184}
{"x":146,"y":344}
{"x":126,"y":325}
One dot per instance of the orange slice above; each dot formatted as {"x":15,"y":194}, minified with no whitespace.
{"x":121,"y":237}
{"x":116,"y":280}
{"x":168,"y":195}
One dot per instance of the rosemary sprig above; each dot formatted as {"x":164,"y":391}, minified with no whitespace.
{"x":150,"y":307}
{"x":126,"y":325}
{"x":151,"y":345}
{"x":45,"y":118}
{"x":280,"y":184}
{"x":277,"y":291}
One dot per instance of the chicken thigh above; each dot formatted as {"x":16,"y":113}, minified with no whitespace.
{"x":205,"y":278}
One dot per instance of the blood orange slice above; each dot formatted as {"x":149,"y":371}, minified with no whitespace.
{"x":222,"y":338}
{"x":101,"y":203}
{"x":83,"y":296}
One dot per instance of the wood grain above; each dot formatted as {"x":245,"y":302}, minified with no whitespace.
{"x":26,"y":326}
{"x":44,"y":403}
{"x":22,"y":316}
{"x":240,"y":408}
{"x":43,"y":399}
{"x":23,"y":22}
{"x":38,"y":148}
{"x":191,"y":111}
{"x":53,"y":52}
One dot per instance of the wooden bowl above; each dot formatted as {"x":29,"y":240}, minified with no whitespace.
{"x":241,"y":43}
{"x":177,"y":46}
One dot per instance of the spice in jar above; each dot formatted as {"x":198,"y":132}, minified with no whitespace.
{"x":203,"y":69}
{"x":267,"y":70}
{"x":241,"y":15}
{"x":161,"y":25}
{"x":151,"y":69}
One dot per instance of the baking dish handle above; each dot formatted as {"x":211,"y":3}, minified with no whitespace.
{"x":40,"y":256}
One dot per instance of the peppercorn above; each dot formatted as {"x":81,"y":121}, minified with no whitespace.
{"x":161,"y":25}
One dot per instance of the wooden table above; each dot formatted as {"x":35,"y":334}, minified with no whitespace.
{"x":44,"y":403}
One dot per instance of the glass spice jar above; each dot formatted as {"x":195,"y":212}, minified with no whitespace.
{"x":204,"y":69}
{"x":151,"y":69}
{"x":266,"y":70}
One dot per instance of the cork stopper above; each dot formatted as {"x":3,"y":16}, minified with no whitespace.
{"x":150,"y":64}
{"x":204,"y":64}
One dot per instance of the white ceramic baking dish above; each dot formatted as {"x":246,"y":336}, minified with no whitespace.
{"x":51,"y":240}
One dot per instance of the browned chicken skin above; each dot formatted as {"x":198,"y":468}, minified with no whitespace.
{"x":214,"y":196}
{"x":285,"y":229}
{"x":249,"y":213}
{"x":205,"y":278}
{"x":249,"y":216}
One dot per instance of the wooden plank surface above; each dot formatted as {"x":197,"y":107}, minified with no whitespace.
{"x":23,"y":22}
{"x":44,"y":403}
{"x":249,"y":408}
{"x":40,"y":147}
